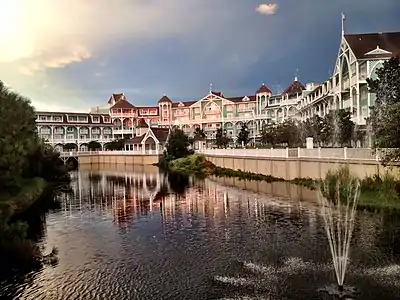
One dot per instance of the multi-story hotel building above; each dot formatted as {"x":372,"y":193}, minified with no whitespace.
{"x":359,"y":56}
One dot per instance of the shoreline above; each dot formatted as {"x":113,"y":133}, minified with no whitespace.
{"x":195,"y":165}
{"x":31,"y":191}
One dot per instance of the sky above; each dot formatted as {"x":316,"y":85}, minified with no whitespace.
{"x":70,"y":55}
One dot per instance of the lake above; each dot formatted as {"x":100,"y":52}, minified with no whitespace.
{"x":136,"y":233}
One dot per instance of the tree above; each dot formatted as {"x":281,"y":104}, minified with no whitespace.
{"x":177,"y":145}
{"x":244,"y":136}
{"x":314,"y":128}
{"x":359,"y":135}
{"x":94,"y":145}
{"x":385,"y":114}
{"x":346,"y":127}
{"x":115,"y":145}
{"x":338,"y":128}
{"x":18,"y":135}
{"x":221,"y":138}
{"x":70,"y":147}
{"x":199,"y":134}
{"x":269,"y":134}
{"x":288,"y":133}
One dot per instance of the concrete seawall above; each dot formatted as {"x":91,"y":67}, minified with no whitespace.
{"x":118,"y":159}
{"x":293,"y":167}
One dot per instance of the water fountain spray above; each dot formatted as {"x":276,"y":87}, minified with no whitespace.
{"x":338,"y":201}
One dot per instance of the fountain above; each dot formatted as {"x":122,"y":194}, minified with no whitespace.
{"x":338,"y":197}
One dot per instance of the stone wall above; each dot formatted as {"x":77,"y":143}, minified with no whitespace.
{"x":118,"y":159}
{"x":294,"y":167}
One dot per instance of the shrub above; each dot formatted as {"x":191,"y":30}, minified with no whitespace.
{"x":339,"y":185}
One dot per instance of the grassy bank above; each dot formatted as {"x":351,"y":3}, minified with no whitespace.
{"x":16,"y":202}
{"x":377,"y":192}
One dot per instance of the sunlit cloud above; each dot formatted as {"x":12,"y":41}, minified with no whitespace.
{"x":267,"y":9}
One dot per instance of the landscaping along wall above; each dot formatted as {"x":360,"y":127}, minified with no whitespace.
{"x":288,"y":164}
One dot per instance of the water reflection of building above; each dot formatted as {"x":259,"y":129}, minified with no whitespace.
{"x":124,"y":195}
{"x":183,"y":203}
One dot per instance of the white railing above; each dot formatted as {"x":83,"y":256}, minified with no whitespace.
{"x":123,"y":131}
{"x":80,"y":141}
{"x":119,"y":152}
{"x":324,"y":153}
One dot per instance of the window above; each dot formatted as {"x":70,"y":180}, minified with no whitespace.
{"x":96,"y":120}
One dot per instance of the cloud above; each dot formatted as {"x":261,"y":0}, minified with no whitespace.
{"x":41,"y":34}
{"x":267,"y":9}
{"x":146,"y":48}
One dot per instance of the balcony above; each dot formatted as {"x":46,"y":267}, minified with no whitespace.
{"x":87,"y":140}
{"x":123,"y":115}
{"x":123,"y":131}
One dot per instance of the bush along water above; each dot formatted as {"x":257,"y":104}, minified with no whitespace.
{"x":28,"y":166}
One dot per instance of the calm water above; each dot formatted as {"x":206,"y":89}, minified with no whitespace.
{"x":137,"y":234}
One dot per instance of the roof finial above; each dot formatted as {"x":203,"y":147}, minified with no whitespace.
{"x":343,"y":19}
{"x":296,"y":75}
{"x":210,"y":88}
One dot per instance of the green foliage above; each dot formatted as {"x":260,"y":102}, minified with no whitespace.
{"x":25,"y":163}
{"x":288,"y":133}
{"x":221,"y":138}
{"x":243,"y":138}
{"x":17,"y":135}
{"x":269,"y":134}
{"x":338,"y":128}
{"x":199,"y":134}
{"x":192,"y":164}
{"x":177,"y":146}
{"x":385,"y":114}
{"x":115,"y":145}
{"x":224,"y":172}
{"x":314,"y":127}
{"x":45,"y":162}
{"x":70,"y":147}
{"x":340,"y":185}
{"x":385,"y":188}
{"x":94,"y":145}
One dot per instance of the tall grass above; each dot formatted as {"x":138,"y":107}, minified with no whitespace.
{"x":339,"y":185}
{"x":385,"y":188}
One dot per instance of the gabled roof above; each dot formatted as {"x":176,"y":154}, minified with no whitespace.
{"x":295,"y":88}
{"x":263,"y":89}
{"x":122,"y":104}
{"x":362,"y":44}
{"x":116,"y":98}
{"x":218,"y":94}
{"x":240,"y":99}
{"x":164,"y":99}
{"x":142,"y":123}
{"x":135,"y":140}
{"x":185,"y":103}
{"x":161,"y":134}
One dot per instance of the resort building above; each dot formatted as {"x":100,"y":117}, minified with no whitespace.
{"x":359,"y":56}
